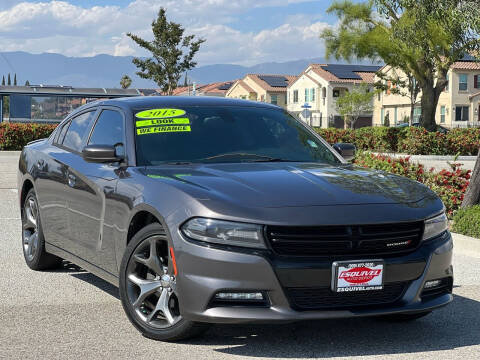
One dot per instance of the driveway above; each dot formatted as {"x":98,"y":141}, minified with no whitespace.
{"x":70,"y":313}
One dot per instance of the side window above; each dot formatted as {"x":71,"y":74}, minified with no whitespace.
{"x":109,"y":129}
{"x":77,"y":130}
{"x":62,"y":132}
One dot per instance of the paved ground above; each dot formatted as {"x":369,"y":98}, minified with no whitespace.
{"x":73,"y":314}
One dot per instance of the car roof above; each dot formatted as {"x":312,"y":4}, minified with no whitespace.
{"x":153,"y":102}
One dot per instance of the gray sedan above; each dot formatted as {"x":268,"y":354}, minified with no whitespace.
{"x":210,"y":210}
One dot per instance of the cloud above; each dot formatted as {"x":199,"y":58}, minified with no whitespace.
{"x":58,"y":26}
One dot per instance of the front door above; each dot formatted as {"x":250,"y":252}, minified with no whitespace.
{"x":92,"y":186}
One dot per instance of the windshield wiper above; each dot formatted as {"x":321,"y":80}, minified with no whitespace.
{"x":254,"y":157}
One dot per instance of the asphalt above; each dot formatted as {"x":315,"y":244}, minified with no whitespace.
{"x":72,"y":314}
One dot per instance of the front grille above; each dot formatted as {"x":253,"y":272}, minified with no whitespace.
{"x":345,"y":240}
{"x":323,"y":298}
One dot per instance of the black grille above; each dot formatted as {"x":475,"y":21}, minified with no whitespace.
{"x":345,"y":240}
{"x":325,"y":299}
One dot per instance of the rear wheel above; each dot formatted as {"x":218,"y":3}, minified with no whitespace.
{"x":32,"y":237}
{"x":405,"y":317}
{"x":148,"y":288}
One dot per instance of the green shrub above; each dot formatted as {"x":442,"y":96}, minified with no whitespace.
{"x":450,"y":186}
{"x":409,"y":140}
{"x":16,"y":136}
{"x":467,"y":221}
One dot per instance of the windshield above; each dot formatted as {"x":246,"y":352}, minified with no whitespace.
{"x":224,"y":134}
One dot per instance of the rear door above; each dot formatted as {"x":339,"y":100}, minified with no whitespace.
{"x":53,"y":184}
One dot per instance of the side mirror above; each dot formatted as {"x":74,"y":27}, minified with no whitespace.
{"x":347,"y":151}
{"x":100,"y":154}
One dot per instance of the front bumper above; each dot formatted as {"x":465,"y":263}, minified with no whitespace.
{"x":206,"y":270}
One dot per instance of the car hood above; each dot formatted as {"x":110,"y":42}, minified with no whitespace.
{"x":290,"y":184}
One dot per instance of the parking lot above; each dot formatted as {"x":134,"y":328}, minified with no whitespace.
{"x":70,"y":313}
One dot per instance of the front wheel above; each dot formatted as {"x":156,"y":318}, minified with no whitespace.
{"x":148,"y":289}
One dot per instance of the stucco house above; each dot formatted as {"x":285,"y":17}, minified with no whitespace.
{"x":458,"y":105}
{"x":319,"y":86}
{"x":262,"y":87}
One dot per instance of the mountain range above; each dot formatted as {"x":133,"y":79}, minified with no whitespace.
{"x":106,"y":70}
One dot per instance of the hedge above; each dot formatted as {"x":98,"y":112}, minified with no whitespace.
{"x":16,"y":136}
{"x":467,"y":221}
{"x":410,"y":140}
{"x":449,"y":185}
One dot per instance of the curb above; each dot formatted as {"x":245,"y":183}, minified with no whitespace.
{"x":9,"y":153}
{"x":430,"y":157}
{"x":466,"y":245}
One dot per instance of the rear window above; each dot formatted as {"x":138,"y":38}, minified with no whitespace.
{"x":224,"y":134}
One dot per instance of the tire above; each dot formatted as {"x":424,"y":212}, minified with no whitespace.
{"x":33,"y":241}
{"x":144,"y":292}
{"x":405,"y":317}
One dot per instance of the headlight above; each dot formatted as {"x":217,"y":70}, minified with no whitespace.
{"x":224,"y":232}
{"x":435,"y":226}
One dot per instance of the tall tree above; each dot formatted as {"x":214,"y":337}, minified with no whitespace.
{"x":3,"y":80}
{"x":125,"y":82}
{"x":15,"y":79}
{"x":421,"y":37}
{"x":185,"y":80}
{"x":355,"y":103}
{"x":9,"y":81}
{"x":172,"y":53}
{"x":27,"y":83}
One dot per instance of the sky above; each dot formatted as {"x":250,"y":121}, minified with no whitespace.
{"x":244,"y":32}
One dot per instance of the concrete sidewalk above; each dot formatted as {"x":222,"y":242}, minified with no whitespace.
{"x":439,"y":162}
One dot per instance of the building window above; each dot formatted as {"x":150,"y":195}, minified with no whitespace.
{"x":463,"y":82}
{"x":417,"y":112}
{"x":476,"y":84}
{"x":336,"y":93}
{"x":306,"y":95}
{"x":447,"y":85}
{"x":274,"y":99}
{"x":295,"y":96}
{"x":442,"y":114}
{"x":462,"y":113}
{"x":312,"y":94}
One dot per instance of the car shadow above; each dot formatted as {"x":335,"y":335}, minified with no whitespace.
{"x":448,"y":328}
{"x":81,"y":274}
{"x":453,"y":326}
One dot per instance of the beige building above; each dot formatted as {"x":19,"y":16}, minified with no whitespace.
{"x":260,"y":87}
{"x":458,"y":105}
{"x":318,"y":88}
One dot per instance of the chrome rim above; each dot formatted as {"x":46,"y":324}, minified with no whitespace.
{"x":151,"y":288}
{"x":30,"y":228}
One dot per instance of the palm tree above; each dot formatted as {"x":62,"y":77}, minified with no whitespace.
{"x":125,"y":82}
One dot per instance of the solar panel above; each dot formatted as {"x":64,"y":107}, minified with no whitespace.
{"x":349,"y":71}
{"x":225,"y":86}
{"x":275,"y":81}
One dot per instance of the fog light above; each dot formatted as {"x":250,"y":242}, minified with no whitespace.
{"x":432,"y":284}
{"x":239,"y":296}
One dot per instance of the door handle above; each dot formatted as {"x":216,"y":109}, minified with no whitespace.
{"x":71,"y":180}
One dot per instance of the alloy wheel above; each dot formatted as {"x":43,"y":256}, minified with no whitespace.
{"x":151,"y":288}
{"x":30,"y":228}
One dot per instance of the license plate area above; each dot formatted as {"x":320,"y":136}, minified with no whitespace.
{"x":357,"y":276}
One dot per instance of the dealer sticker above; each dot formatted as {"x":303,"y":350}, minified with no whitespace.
{"x":357,"y":276}
{"x":159,"y":113}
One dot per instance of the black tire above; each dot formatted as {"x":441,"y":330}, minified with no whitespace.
{"x":183,"y":329}
{"x":405,"y":317}
{"x":36,"y":258}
